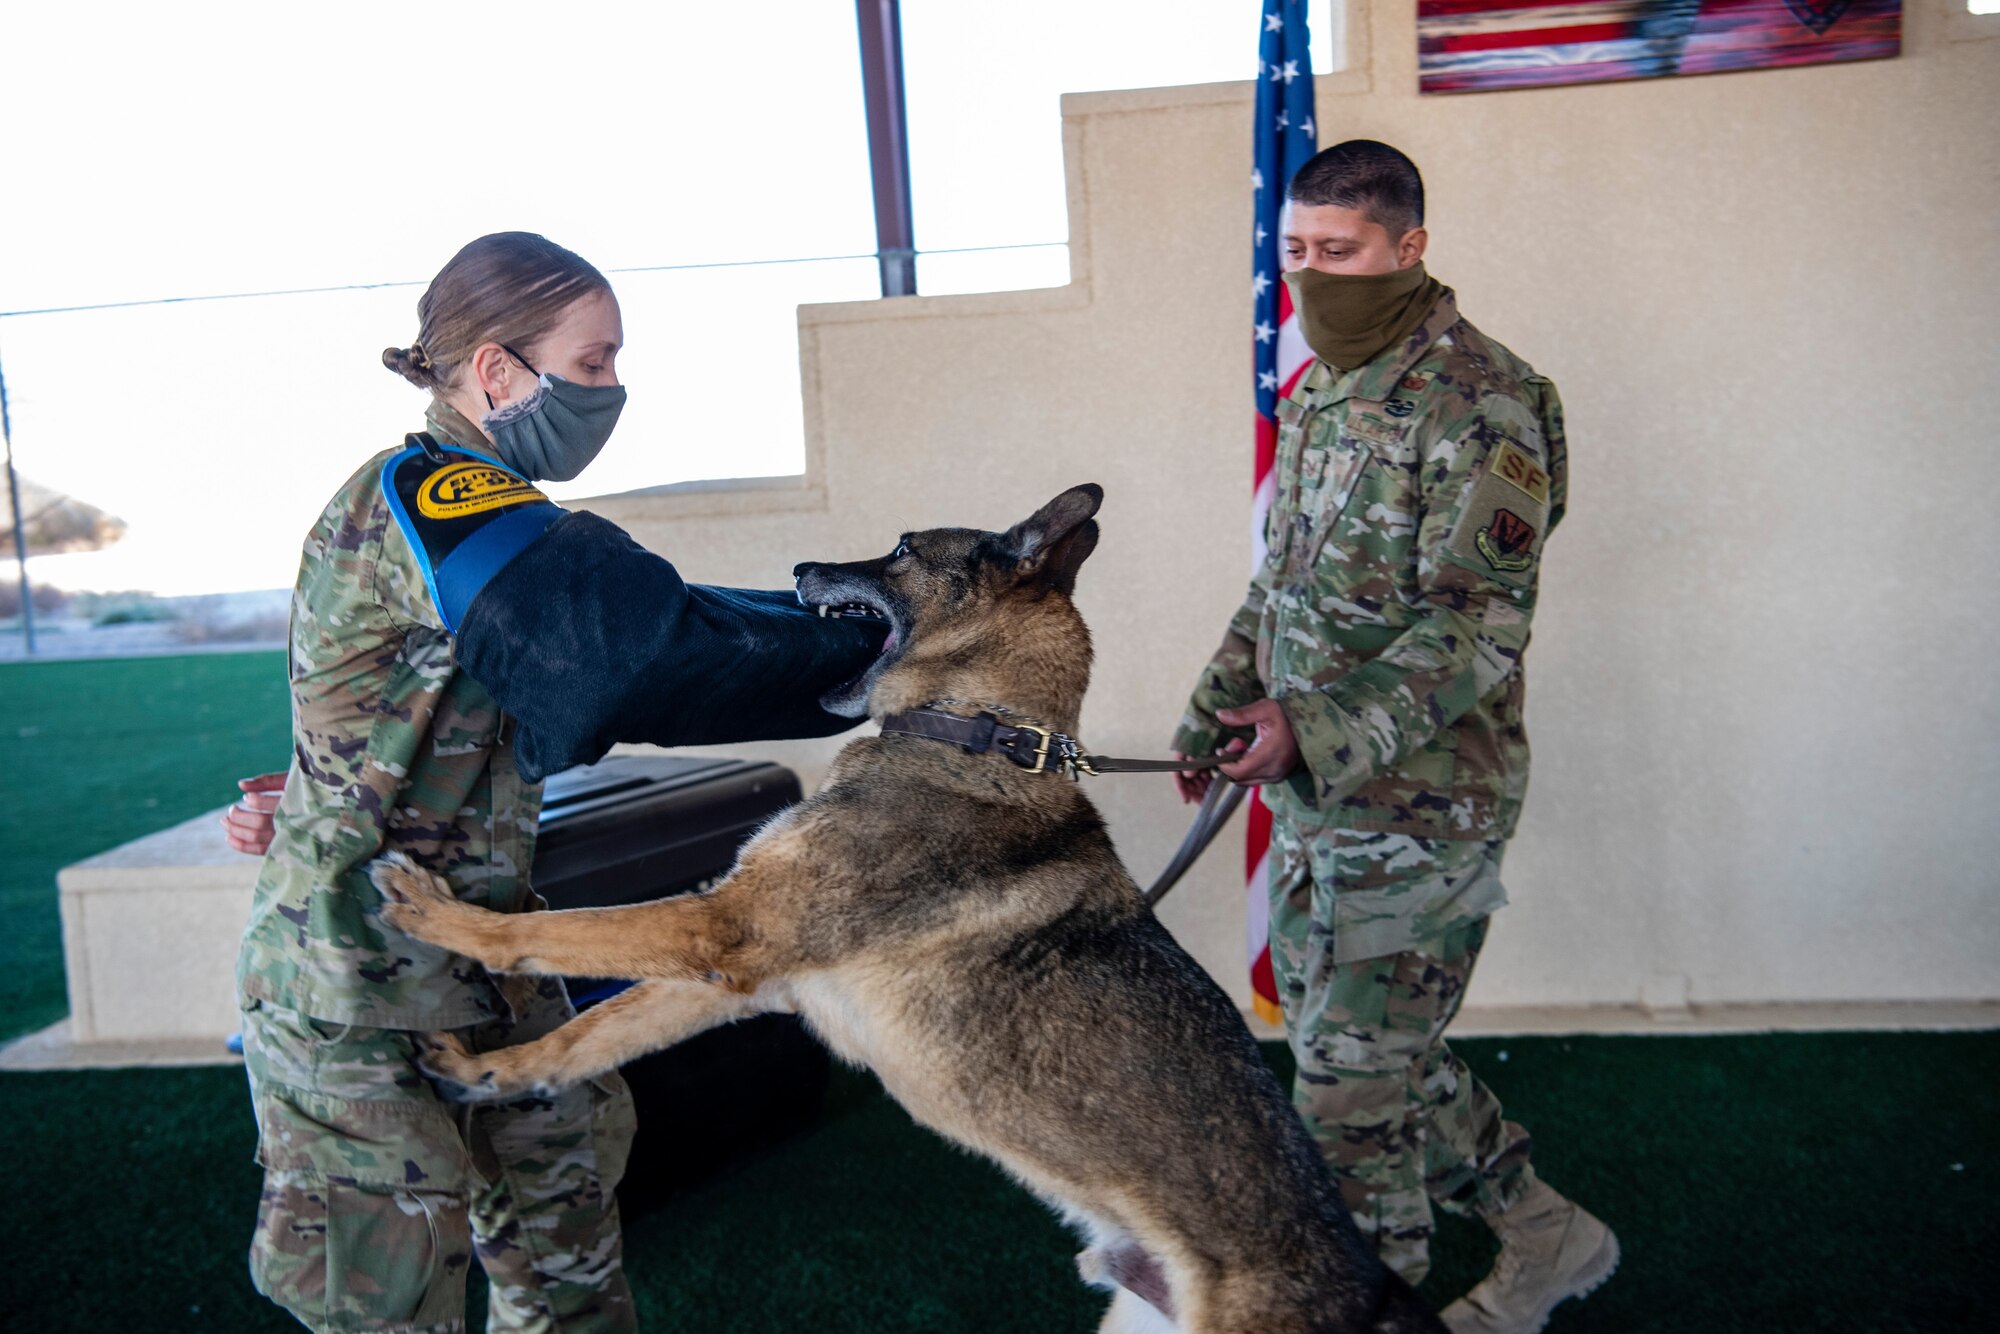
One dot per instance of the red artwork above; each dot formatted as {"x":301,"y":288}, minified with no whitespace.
{"x":1466,"y":46}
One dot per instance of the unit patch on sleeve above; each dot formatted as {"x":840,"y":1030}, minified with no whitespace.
{"x":1498,"y":531}
{"x":1506,"y":542}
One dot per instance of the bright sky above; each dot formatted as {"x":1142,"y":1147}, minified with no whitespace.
{"x":166,"y":151}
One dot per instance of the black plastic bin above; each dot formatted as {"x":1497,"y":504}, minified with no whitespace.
{"x":633,"y":828}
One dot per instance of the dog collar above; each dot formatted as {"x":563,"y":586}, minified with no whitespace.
{"x":1036,"y":749}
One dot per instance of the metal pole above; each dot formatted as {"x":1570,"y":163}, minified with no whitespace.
{"x":20,"y":535}
{"x":881,"y":26}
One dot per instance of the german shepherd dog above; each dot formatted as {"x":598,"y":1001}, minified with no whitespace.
{"x":962,"y":926}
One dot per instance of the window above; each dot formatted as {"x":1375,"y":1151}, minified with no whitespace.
{"x":174,"y":151}
{"x":984,"y":83}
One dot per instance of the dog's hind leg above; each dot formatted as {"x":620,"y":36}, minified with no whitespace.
{"x":699,"y":937}
{"x":1129,"y":1314}
{"x":636,"y":1021}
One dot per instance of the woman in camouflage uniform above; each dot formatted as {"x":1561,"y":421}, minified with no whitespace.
{"x":377,"y":1193}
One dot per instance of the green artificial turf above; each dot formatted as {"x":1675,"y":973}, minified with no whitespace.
{"x":94,"y":754}
{"x":1822,"y":1182}
{"x":1836,"y":1182}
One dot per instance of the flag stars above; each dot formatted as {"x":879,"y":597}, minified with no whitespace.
{"x":1262,"y":282}
{"x":1256,"y":179}
{"x":1284,"y":120}
{"x":1272,"y":23}
{"x":1261,"y":233}
{"x":1286,"y":72}
{"x":1308,"y":129}
{"x":1265,"y":333}
{"x":1268,"y":380}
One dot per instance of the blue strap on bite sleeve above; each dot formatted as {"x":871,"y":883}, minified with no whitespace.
{"x":459,"y":578}
{"x":466,"y":515}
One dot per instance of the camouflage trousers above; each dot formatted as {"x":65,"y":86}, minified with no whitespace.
{"x":377,"y":1193}
{"x":1401,"y":1120}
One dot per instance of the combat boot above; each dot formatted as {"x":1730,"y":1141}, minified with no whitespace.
{"x":1550,"y":1250}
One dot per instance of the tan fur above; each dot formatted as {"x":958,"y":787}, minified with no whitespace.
{"x":963,"y":928}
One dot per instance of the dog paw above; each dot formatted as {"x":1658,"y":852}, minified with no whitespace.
{"x":460,"y":1074}
{"x":411,"y":895}
{"x":404,"y":882}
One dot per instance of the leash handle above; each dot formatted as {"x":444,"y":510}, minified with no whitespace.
{"x":1217,"y":806}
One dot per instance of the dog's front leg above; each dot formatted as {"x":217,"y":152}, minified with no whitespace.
{"x":636,"y":1021}
{"x":700,"y":937}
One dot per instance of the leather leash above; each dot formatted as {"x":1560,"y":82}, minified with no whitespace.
{"x":1221,"y":802}
{"x":1036,"y":749}
{"x":1043,"y":750}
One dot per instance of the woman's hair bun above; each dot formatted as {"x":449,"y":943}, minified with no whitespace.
{"x":412,"y":363}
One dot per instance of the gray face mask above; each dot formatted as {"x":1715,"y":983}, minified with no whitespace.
{"x":554,"y":433}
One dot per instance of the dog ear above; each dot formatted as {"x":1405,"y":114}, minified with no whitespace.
{"x":1057,"y":538}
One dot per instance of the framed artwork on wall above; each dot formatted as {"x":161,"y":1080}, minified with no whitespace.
{"x":1470,"y":46}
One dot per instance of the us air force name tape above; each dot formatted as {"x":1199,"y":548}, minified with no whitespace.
{"x":466,"y":516}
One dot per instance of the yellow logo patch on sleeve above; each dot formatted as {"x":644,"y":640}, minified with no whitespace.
{"x":460,"y":489}
{"x":1516,"y":466}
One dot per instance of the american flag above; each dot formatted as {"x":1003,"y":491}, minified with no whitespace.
{"x":1285,"y":138}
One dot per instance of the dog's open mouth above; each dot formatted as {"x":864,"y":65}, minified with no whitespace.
{"x":862,"y":611}
{"x":850,"y":698}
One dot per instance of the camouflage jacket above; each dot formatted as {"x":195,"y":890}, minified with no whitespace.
{"x":393,"y":747}
{"x":1389,"y":618}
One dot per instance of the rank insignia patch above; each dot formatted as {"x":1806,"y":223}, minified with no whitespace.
{"x":1507,"y":542}
{"x":460,"y":489}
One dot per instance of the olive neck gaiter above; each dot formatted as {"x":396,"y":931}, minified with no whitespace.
{"x":1349,"y":318}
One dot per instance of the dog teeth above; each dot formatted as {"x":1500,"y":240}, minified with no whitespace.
{"x":849,"y":610}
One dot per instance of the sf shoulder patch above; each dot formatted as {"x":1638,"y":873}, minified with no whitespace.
{"x":1499,"y":531}
{"x":465,"y":516}
{"x":1513,"y":464}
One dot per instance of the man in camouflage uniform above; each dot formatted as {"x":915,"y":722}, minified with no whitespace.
{"x":1377,"y":657}
{"x":374,"y":1188}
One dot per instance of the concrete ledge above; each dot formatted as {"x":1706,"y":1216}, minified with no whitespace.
{"x":150,"y":934}
{"x":1716,"y":1020}
{"x":56,"y":1048}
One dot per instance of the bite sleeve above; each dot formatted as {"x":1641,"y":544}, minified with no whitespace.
{"x":588,"y":639}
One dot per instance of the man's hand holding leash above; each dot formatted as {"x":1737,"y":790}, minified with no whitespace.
{"x":1273,"y":756}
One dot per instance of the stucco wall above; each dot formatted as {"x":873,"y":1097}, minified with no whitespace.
{"x":1763,"y":681}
